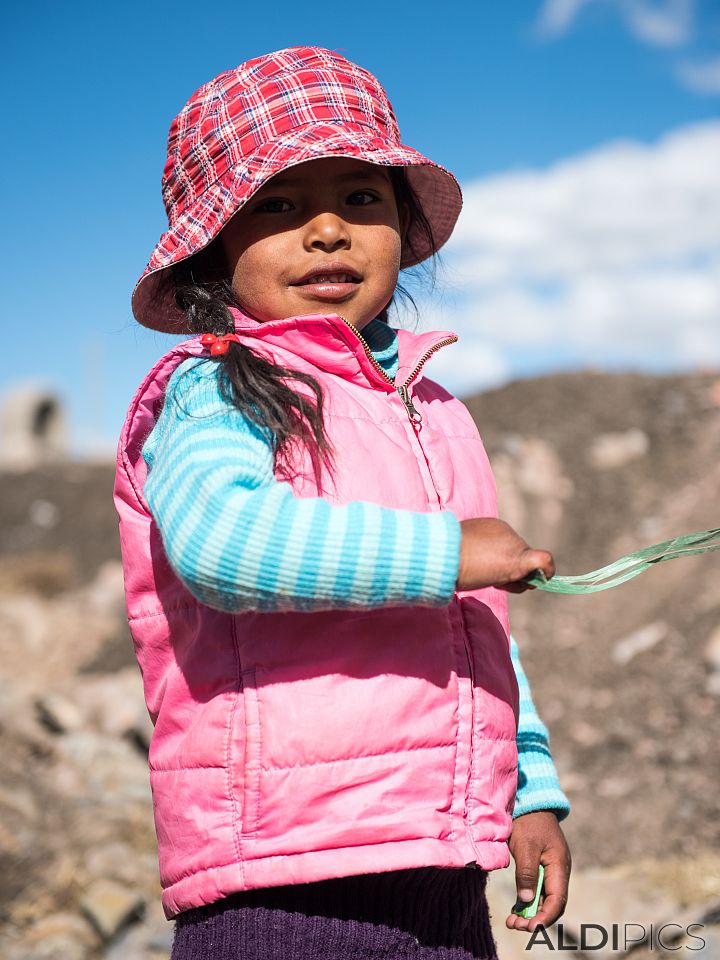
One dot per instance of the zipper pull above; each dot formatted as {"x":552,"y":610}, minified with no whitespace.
{"x":415,"y":415}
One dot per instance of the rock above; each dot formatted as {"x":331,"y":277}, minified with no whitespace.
{"x":708,"y":944}
{"x":20,"y":800}
{"x":114,"y":861}
{"x":699,"y":929}
{"x":712,"y":650}
{"x":106,"y":593}
{"x":111,"y":907}
{"x":712,"y":658}
{"x":98,"y":767}
{"x":114,"y":703}
{"x":532,"y":485}
{"x":611,"y":450}
{"x":603,"y":698}
{"x":140,"y":734}
{"x":61,"y":936}
{"x":162,"y":941}
{"x":58,"y":633}
{"x":60,"y":948}
{"x":613,"y":787}
{"x":44,"y":514}
{"x":539,"y":470}
{"x":573,"y":782}
{"x":22,"y":616}
{"x":639,"y":641}
{"x":151,"y":940}
{"x":58,"y":714}
{"x":586,"y":734}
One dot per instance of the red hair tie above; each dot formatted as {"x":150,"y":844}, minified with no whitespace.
{"x":218,"y":345}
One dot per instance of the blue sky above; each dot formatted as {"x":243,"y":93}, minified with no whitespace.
{"x":506,"y":95}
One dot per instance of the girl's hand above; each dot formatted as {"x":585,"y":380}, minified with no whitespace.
{"x":493,"y":555}
{"x":537,"y":838}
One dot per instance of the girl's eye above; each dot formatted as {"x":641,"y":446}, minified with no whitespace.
{"x":274,"y":205}
{"x":361,"y":198}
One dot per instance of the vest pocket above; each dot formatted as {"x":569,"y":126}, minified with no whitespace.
{"x":495,"y":689}
{"x":494,"y":723}
{"x":350,"y":729}
{"x":246,"y":755}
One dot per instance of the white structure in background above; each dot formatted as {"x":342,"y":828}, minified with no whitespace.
{"x":33,"y":428}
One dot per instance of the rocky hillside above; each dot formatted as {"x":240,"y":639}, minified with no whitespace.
{"x":588,"y":465}
{"x":593,"y":466}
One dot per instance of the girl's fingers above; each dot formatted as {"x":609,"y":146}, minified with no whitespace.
{"x":555,"y":886}
{"x":553,"y":907}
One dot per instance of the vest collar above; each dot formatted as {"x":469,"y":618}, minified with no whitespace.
{"x":334,"y":345}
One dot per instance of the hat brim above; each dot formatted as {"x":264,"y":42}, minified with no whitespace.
{"x":153,"y":299}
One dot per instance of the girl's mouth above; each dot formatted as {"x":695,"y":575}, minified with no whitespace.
{"x":328,"y":286}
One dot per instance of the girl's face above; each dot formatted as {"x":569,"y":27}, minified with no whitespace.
{"x":321,"y":237}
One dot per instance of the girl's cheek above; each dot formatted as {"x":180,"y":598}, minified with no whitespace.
{"x":257,"y":287}
{"x":251,"y":268}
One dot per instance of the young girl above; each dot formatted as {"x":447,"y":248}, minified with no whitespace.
{"x":316,"y":577}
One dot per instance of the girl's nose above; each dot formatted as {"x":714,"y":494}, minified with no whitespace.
{"x":327,"y":231}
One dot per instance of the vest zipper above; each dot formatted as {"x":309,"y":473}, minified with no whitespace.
{"x":414,"y":415}
{"x":472,"y":730}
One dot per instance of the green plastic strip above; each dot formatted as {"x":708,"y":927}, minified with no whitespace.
{"x":529,"y":910}
{"x":631,"y":565}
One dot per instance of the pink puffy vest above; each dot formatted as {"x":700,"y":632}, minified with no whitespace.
{"x":294,"y":747}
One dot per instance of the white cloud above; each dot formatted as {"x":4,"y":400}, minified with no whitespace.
{"x":610,"y":258}
{"x":619,"y":205}
{"x":702,"y":77}
{"x":665,"y":24}
{"x":556,"y":16}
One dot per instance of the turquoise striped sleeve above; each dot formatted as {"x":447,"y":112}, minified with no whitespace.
{"x":239,"y":539}
{"x":538,"y":784}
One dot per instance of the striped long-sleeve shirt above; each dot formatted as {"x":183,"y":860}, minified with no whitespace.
{"x":239,"y":539}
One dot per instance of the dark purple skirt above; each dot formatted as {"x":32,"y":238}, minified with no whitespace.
{"x":428,"y":913}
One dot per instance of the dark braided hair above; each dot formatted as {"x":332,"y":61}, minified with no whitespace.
{"x":254,"y":385}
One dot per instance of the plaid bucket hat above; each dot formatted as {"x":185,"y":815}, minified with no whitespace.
{"x":248,"y":124}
